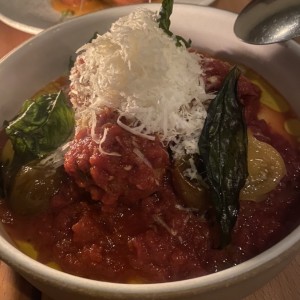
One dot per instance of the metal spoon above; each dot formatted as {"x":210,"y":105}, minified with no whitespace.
{"x":268,"y":21}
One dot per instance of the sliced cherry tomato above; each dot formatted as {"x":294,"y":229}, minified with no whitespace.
{"x":192,"y":192}
{"x":33,"y":187}
{"x":266,"y":169}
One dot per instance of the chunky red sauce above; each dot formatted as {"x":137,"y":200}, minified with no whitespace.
{"x":117,"y":219}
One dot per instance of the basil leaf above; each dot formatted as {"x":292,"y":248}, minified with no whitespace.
{"x":165,"y":23}
{"x":223,"y":146}
{"x":41,"y":127}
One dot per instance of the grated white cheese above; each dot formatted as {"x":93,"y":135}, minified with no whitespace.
{"x":137,"y":69}
{"x":102,"y":141}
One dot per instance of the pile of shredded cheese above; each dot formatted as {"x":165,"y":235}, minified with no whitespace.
{"x":138,"y":70}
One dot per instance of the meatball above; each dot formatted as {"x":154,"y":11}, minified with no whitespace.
{"x":120,"y":166}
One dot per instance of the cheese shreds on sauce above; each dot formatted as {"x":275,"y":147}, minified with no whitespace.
{"x":138,"y":70}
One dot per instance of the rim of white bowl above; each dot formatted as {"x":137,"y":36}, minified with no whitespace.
{"x":283,"y":250}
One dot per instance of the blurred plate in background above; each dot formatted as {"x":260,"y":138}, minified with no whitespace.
{"x":32,"y":16}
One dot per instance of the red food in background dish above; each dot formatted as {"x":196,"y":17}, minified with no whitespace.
{"x":80,"y":7}
{"x":74,"y":3}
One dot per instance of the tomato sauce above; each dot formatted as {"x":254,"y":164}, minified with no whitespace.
{"x":118,"y":218}
{"x":153,"y":240}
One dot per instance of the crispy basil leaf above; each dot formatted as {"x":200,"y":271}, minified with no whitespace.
{"x":223,"y":146}
{"x":165,"y":23}
{"x":41,"y":127}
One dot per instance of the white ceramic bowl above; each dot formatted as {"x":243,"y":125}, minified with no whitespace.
{"x":46,"y":56}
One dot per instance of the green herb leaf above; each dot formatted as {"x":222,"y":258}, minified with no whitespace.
{"x":165,"y":23}
{"x":223,"y":146}
{"x":42,"y":126}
